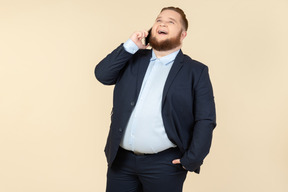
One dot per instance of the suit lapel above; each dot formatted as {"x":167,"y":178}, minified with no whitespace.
{"x":177,"y":65}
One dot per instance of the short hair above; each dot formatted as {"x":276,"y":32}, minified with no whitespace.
{"x":182,"y":14}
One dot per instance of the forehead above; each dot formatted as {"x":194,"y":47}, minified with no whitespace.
{"x":169,"y":14}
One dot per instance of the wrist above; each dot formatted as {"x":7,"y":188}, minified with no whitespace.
{"x":130,"y":46}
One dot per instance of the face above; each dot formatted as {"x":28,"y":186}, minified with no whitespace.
{"x":167,"y":32}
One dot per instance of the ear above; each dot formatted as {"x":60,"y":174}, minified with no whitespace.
{"x":183,"y":35}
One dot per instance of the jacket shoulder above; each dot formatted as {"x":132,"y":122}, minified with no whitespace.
{"x":196,"y":65}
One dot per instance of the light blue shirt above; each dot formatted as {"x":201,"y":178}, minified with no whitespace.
{"x":145,"y":130}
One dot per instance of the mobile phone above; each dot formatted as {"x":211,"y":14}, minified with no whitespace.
{"x":148,"y":36}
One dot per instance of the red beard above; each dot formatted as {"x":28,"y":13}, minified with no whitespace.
{"x":165,"y":45}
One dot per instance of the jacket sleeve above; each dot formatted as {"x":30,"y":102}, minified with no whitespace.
{"x":205,"y":122}
{"x":108,"y":70}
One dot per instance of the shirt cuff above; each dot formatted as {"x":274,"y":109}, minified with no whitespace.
{"x":130,"y":46}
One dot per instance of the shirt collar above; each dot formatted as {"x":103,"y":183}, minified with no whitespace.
{"x":166,"y":59}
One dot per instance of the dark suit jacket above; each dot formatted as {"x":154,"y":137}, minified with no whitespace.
{"x":188,"y":108}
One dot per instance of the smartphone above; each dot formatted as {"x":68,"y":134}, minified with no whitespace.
{"x":148,"y":36}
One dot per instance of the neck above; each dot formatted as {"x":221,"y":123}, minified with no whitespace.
{"x":160,"y":54}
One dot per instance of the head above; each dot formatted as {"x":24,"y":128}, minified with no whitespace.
{"x":169,"y":29}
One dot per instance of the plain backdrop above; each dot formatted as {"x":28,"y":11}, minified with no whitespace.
{"x":54,"y":115}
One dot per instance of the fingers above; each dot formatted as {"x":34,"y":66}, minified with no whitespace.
{"x":141,"y":34}
{"x":137,"y":38}
{"x":176,"y":161}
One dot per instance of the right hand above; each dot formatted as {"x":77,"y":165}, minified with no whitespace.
{"x":137,"y":38}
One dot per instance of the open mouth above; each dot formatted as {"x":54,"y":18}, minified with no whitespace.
{"x":161,"y":32}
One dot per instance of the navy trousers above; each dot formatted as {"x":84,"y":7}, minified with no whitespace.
{"x":146,"y":173}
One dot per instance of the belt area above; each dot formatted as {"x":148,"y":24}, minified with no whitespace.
{"x":136,"y":152}
{"x":142,"y":154}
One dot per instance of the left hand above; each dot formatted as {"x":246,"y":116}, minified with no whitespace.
{"x":177,"y":161}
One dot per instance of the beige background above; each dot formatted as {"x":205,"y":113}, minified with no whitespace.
{"x":54,"y":115}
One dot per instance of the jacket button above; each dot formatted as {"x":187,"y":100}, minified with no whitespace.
{"x":132,"y":103}
{"x":120,"y":130}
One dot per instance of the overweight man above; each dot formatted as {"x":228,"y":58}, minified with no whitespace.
{"x":163,"y":111}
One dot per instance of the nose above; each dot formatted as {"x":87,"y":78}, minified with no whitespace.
{"x":162,"y":24}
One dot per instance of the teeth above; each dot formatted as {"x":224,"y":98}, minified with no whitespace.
{"x":160,"y":32}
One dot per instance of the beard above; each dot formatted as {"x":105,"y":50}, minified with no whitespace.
{"x":165,"y":45}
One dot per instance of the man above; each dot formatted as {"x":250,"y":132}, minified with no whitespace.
{"x":163,"y":111}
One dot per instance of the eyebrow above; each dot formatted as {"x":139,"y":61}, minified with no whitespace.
{"x":173,"y":19}
{"x":168,"y":18}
